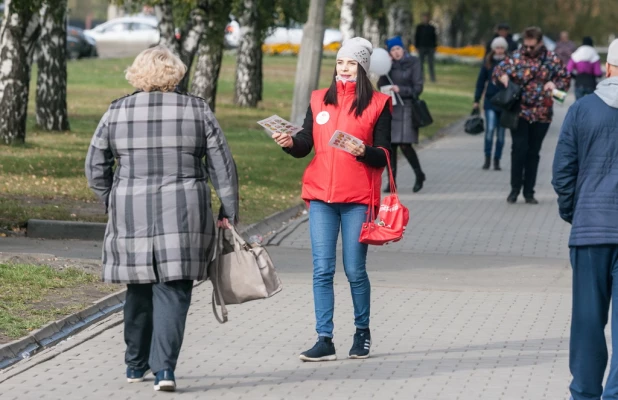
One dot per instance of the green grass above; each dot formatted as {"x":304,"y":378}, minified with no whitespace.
{"x":32,"y":295}
{"x":45,"y":177}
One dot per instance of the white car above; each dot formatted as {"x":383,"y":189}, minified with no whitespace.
{"x":125,"y":37}
{"x":295,"y":36}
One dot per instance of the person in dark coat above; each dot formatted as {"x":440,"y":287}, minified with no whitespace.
{"x":160,"y":235}
{"x":502,"y":30}
{"x":407,"y":82}
{"x":484,"y":84}
{"x":585,"y":177}
{"x":426,"y":41}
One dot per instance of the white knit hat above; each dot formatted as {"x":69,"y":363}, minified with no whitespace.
{"x":612,"y":53}
{"x":358,"y":49}
{"x":499,"y":41}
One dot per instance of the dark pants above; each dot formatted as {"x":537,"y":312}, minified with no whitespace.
{"x":154,"y":323}
{"x":527,"y":142}
{"x":581,"y":91}
{"x":410,"y":154}
{"x":428,"y":53}
{"x":595,"y":286}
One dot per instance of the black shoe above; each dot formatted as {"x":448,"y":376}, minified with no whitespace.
{"x":487,"y":163}
{"x":387,"y":189}
{"x":362,"y":344}
{"x":323,"y":350}
{"x":497,"y":165}
{"x":531,"y":200}
{"x":137,"y":375}
{"x":420,"y":178}
{"x":512,"y":199}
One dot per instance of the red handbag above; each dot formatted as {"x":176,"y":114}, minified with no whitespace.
{"x":393,"y":217}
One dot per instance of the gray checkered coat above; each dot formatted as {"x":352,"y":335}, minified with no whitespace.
{"x":160,"y":223}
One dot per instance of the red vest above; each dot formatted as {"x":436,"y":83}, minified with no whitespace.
{"x":335,"y":176}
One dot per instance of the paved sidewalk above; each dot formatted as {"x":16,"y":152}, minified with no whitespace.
{"x":473,"y":304}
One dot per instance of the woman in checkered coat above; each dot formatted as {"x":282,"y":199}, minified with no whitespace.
{"x":161,"y":232}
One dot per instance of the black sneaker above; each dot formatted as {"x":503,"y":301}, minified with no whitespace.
{"x":323,"y":350}
{"x":137,"y":375}
{"x":362,"y":344}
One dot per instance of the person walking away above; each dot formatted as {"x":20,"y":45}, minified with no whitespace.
{"x":585,"y":67}
{"x":484,"y":85}
{"x":407,"y":78}
{"x":502,"y":30}
{"x":339,"y":187}
{"x":539,"y":71}
{"x":565,"y":47}
{"x":426,"y":41}
{"x":585,"y":177}
{"x":160,"y":234}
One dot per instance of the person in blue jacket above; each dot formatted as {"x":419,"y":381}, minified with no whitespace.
{"x":484,"y":84}
{"x":585,"y":177}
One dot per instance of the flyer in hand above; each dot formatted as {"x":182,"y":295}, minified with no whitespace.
{"x":340,"y":140}
{"x":387,"y":90}
{"x":276,"y":124}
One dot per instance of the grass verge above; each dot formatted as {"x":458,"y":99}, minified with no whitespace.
{"x":34,"y":295}
{"x":45,"y":178}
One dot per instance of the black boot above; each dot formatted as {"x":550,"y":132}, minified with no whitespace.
{"x":512,"y":198}
{"x":497,"y":165}
{"x":487,"y":162}
{"x":420,"y":178}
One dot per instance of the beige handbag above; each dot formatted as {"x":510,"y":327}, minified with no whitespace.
{"x":240,"y":273}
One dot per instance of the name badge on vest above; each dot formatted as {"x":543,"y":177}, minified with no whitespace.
{"x":322,"y":117}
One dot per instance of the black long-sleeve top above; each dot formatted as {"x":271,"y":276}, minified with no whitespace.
{"x":374,"y":157}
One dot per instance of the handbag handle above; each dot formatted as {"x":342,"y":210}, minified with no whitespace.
{"x":216,"y":289}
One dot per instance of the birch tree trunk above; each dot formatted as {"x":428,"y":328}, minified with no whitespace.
{"x":346,"y":21}
{"x":51,"y":91}
{"x":309,"y":60}
{"x":190,"y":42}
{"x":167,"y":28}
{"x":17,"y":38}
{"x":247,"y":85}
{"x":371,"y":30}
{"x":400,"y":21}
{"x":210,"y":52}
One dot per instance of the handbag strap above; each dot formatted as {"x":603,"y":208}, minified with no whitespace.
{"x":216,"y":289}
{"x":391,"y":179}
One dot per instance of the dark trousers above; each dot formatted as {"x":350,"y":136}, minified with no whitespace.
{"x":410,"y":154}
{"x":154,"y":323}
{"x":527,"y":142}
{"x":595,"y":286}
{"x":428,"y":53}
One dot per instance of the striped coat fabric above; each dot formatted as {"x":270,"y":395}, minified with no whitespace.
{"x":165,"y":147}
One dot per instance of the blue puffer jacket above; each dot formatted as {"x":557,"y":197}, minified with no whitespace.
{"x":586,"y":167}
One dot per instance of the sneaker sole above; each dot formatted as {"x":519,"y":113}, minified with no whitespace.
{"x":325,"y":358}
{"x":355,"y":357}
{"x":138,"y":380}
{"x":165,"y":386}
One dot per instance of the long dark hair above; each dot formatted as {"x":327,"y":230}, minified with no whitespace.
{"x":364,"y":92}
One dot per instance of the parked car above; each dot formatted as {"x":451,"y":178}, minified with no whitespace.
{"x":294,"y":35}
{"x":79,"y":45}
{"x":125,"y":37}
{"x":232,"y":34}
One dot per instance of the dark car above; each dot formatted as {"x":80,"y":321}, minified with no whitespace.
{"x":79,"y":45}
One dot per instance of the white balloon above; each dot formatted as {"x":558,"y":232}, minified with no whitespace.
{"x":380,"y":62}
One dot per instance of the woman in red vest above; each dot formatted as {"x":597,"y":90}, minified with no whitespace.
{"x":337,"y":186}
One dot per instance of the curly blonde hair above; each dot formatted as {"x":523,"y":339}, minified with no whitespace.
{"x":156,"y":69}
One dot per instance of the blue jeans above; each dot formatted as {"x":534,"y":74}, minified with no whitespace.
{"x":595,"y":286}
{"x":493,"y":125}
{"x":581,"y":91}
{"x":324,"y":222}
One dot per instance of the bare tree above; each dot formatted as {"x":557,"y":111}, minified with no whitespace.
{"x":400,"y":20}
{"x":51,"y":91}
{"x":371,"y":30}
{"x":309,"y":60}
{"x":18,"y":34}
